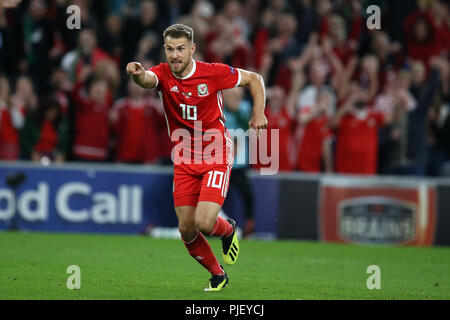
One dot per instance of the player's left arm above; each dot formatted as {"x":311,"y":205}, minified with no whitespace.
{"x":255,"y":83}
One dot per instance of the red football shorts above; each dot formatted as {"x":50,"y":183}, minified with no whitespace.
{"x":200,"y":182}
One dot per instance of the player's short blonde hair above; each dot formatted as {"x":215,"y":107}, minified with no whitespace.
{"x":178,"y":31}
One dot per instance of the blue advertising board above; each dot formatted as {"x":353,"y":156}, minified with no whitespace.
{"x":86,"y":199}
{"x":107,"y":198}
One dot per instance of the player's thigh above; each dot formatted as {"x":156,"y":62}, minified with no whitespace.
{"x":215,"y":184}
{"x":213,"y":192}
{"x":186,"y":187}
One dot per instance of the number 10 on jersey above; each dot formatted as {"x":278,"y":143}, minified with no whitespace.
{"x":189,"y":112}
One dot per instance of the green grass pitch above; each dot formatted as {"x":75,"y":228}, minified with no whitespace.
{"x":33,"y":266}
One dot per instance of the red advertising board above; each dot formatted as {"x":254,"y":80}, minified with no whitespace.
{"x":390,"y":212}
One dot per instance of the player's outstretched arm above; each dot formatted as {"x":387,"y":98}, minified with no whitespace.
{"x":145,"y":79}
{"x":255,"y":83}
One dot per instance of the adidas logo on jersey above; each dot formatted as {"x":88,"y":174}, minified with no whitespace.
{"x":174,"y":89}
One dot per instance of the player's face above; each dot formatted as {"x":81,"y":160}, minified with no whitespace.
{"x":178,"y":53}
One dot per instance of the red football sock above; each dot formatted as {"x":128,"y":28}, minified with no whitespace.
{"x":200,"y":250}
{"x":222,"y":228}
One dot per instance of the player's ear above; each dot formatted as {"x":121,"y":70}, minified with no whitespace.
{"x":193,"y":47}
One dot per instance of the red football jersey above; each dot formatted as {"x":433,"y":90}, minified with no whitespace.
{"x":48,"y":138}
{"x":357,"y":143}
{"x":195,"y":102}
{"x":92,"y":125}
{"x":285,"y":124}
{"x":9,"y":137}
{"x":130,"y":127}
{"x":313,"y":136}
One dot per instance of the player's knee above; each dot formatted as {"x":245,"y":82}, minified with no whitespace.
{"x":187,"y":230}
{"x":204,"y":225}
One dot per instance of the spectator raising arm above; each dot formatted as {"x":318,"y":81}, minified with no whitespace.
{"x":327,"y":154}
{"x":297,"y":83}
{"x":336,"y":64}
{"x":345,"y":108}
{"x":370,"y":66}
{"x":321,"y":106}
{"x":344,"y":78}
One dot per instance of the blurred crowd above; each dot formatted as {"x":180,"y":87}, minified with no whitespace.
{"x":344,"y":98}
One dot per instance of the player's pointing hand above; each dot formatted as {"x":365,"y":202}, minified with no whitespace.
{"x":135,"y":69}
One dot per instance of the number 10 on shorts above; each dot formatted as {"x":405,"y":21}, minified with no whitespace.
{"x":215,"y":179}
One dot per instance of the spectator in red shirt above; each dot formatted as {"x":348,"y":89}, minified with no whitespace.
{"x":88,"y":53}
{"x":262,"y":36}
{"x":315,"y":153}
{"x":11,"y":120}
{"x":25,"y":95}
{"x":315,"y":103}
{"x":135,"y":123}
{"x":343,"y":33}
{"x":440,"y":12}
{"x":280,"y":117}
{"x":92,"y":104}
{"x":227,"y":43}
{"x":46,"y":132}
{"x":342,"y":46}
{"x":423,"y":39}
{"x":357,"y":135}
